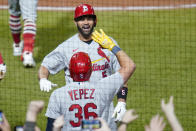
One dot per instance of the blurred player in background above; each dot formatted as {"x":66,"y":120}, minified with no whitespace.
{"x":87,"y":100}
{"x":23,"y":48}
{"x":2,"y":68}
{"x":103,"y":60}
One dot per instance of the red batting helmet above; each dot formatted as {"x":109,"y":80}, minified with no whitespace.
{"x":80,"y":67}
{"x":84,"y":9}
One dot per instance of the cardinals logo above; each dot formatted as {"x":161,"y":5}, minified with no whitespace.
{"x":101,"y":53}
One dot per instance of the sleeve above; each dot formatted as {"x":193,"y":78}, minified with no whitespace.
{"x":50,"y":122}
{"x":56,"y":60}
{"x":53,"y":110}
{"x":112,"y":84}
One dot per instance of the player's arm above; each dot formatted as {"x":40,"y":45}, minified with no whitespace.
{"x":52,"y":64}
{"x":43,"y":72}
{"x":122,"y":93}
{"x":45,"y":84}
{"x":127,"y":67}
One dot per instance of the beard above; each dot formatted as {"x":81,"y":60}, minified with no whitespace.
{"x":85,"y":34}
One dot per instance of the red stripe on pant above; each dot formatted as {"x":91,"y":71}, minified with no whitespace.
{"x":15,"y":16}
{"x":15,"y":36}
{"x":29,"y":40}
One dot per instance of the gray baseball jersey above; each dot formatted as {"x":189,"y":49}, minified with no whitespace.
{"x":104,"y":62}
{"x":28,"y":8}
{"x":83,"y":100}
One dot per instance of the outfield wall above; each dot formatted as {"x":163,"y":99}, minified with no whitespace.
{"x":111,"y":3}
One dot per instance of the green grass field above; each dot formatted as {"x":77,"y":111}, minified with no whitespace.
{"x":162,"y":43}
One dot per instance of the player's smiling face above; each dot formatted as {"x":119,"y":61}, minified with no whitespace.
{"x":85,"y":25}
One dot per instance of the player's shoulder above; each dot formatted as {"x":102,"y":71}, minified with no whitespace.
{"x":59,"y":90}
{"x":70,"y":42}
{"x":70,"y":39}
{"x":67,"y":87}
{"x":114,"y":40}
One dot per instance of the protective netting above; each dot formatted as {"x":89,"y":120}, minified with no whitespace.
{"x":159,"y":35}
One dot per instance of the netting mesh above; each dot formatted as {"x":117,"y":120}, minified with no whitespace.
{"x":159,"y":35}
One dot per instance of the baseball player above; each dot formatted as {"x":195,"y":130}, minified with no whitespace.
{"x":81,"y":99}
{"x":104,"y":62}
{"x":2,"y":68}
{"x":23,"y":48}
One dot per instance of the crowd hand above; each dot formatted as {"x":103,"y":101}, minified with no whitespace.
{"x":4,"y":126}
{"x":46,"y":85}
{"x":119,"y":111}
{"x":36,"y":106}
{"x":129,"y":116}
{"x":104,"y":126}
{"x":169,"y":107}
{"x":156,"y":124}
{"x":103,"y":40}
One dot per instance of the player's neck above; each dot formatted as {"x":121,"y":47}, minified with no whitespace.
{"x":84,"y":39}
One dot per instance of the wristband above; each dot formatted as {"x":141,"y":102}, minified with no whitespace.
{"x":115,"y":49}
{"x":122,"y":93}
{"x":29,"y":126}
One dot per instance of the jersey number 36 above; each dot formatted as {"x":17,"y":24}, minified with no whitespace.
{"x":79,"y":113}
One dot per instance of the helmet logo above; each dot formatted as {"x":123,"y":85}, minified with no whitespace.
{"x":85,"y":8}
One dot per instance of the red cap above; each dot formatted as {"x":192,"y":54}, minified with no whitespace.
{"x":84,"y":9}
{"x":80,"y":67}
